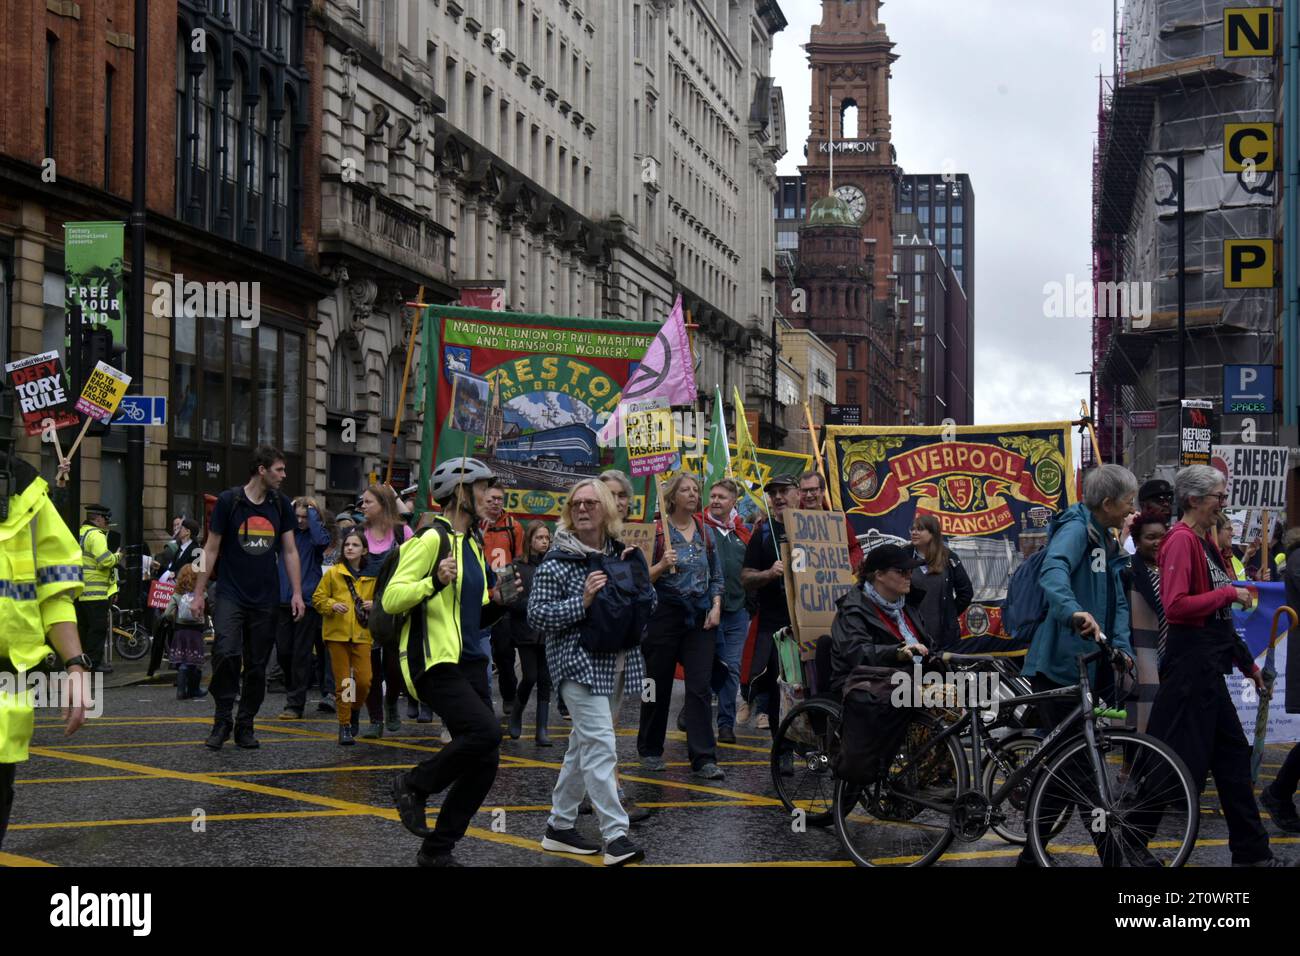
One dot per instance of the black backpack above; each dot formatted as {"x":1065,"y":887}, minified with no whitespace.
{"x":386,"y":628}
{"x":620,"y":611}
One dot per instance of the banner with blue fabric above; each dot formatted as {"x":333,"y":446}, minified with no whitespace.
{"x":1255,"y":627}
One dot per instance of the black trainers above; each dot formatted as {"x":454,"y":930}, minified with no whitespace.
{"x":568,"y":841}
{"x":435,"y":859}
{"x":1283,"y":812}
{"x":410,"y":806}
{"x":622,"y":851}
{"x":244,"y":738}
{"x":1271,"y":862}
{"x":220,"y":734}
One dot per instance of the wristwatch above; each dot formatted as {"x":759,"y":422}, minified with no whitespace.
{"x":81,"y":660}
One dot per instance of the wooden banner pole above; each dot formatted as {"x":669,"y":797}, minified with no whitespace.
{"x":401,"y":398}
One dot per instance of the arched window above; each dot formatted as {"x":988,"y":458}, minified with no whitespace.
{"x":848,"y":119}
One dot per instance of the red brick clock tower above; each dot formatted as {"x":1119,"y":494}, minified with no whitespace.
{"x":850,"y":56}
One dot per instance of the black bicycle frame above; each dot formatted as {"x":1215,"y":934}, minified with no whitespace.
{"x":1052,"y":744}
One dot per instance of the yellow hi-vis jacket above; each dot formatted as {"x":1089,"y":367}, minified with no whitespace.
{"x":40,"y":578}
{"x":434,"y":637}
{"x":97,"y":564}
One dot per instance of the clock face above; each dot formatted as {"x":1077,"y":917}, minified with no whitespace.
{"x":857,"y":201}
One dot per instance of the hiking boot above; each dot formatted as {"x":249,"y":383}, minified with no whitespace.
{"x":244,"y":738}
{"x":1282,"y":811}
{"x":568,"y":841}
{"x":710,"y":771}
{"x":622,"y":851}
{"x":220,"y":734}
{"x":410,"y":806}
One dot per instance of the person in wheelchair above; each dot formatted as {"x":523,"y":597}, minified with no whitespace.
{"x":874,"y":623}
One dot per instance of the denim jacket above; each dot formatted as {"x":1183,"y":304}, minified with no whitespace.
{"x":698,"y":579}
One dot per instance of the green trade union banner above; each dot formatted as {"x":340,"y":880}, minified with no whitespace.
{"x":92,"y":267}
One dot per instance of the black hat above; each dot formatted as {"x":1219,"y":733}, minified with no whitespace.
{"x":99,"y":510}
{"x":885,"y":556}
{"x":1155,"y":488}
{"x":779,"y":481}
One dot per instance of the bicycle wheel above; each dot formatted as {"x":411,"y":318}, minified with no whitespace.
{"x":1008,"y":755}
{"x":809,"y":735}
{"x":879,"y":826}
{"x":131,"y":643}
{"x":1151,"y":817}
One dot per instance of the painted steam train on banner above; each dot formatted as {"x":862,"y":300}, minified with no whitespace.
{"x":566,"y":448}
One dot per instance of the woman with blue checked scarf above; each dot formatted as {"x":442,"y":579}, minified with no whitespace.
{"x":562,"y":593}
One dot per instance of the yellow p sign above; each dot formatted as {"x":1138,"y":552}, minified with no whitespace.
{"x":1248,"y":263}
{"x":1248,"y":31}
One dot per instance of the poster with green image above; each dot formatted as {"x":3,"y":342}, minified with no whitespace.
{"x":92,"y":267}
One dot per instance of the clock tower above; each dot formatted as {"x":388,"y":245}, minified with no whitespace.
{"x":840,"y":286}
{"x":849,"y":149}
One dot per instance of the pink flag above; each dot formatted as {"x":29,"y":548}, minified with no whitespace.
{"x":667,"y":371}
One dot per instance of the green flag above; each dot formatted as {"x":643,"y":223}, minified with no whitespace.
{"x":718,"y":464}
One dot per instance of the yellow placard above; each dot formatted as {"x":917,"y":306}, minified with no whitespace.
{"x":1248,"y":263}
{"x":1248,"y":31}
{"x":1249,"y":143}
{"x":103,"y":391}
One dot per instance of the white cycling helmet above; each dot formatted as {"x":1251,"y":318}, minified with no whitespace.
{"x":453,"y":473}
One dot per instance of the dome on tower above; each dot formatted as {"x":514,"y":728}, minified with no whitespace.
{"x":831,"y":211}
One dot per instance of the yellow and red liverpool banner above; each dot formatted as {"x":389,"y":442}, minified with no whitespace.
{"x":994,"y":489}
{"x":979,"y":480}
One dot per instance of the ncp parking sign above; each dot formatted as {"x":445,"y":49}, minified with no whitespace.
{"x":1248,"y":390}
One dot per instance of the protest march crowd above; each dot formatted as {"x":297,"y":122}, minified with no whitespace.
{"x":371,"y":606}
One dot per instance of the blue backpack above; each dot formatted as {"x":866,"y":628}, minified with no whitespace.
{"x":1026,"y":605}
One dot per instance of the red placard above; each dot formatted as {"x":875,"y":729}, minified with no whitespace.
{"x":42,"y":392}
{"x":160,"y":594}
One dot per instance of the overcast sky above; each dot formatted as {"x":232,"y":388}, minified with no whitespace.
{"x":1007,"y":89}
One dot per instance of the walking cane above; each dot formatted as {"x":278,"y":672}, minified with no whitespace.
{"x":1269,"y":675}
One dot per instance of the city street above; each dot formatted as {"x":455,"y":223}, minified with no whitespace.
{"x":129,"y":788}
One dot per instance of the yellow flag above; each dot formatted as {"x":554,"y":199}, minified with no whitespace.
{"x":745,"y":448}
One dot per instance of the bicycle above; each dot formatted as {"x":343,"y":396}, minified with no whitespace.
{"x":1137,"y":802}
{"x":128,"y":637}
{"x":807,"y":739}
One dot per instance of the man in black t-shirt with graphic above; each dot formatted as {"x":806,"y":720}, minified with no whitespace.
{"x":249,"y":525}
